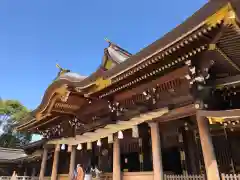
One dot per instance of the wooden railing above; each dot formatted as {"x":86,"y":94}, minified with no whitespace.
{"x":19,"y":178}
{"x":184,"y":177}
{"x":149,"y":176}
{"x":230,"y":176}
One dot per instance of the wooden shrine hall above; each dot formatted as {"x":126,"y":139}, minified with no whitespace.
{"x":169,"y":111}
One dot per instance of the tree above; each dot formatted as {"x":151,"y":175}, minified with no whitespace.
{"x":12,"y":113}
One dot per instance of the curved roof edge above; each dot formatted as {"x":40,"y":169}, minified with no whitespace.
{"x":65,"y":77}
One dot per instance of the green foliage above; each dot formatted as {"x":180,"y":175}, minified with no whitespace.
{"x":12,"y":113}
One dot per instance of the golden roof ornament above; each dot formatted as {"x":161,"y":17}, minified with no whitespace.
{"x":107,"y":40}
{"x":61,"y":70}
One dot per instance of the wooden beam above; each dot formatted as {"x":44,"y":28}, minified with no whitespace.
{"x":178,"y":113}
{"x":221,"y":113}
{"x":231,"y":80}
{"x":113,"y":128}
{"x":181,"y":72}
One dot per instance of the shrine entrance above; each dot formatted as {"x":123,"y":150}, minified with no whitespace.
{"x":171,"y":160}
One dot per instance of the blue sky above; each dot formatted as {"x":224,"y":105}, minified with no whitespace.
{"x":35,"y":35}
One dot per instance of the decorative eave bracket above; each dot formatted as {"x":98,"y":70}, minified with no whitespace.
{"x":226,"y":14}
{"x":99,"y":85}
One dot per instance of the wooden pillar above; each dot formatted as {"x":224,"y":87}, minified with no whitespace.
{"x":72,"y":162}
{"x":55,"y":162}
{"x":43,"y":164}
{"x":156,"y":152}
{"x":116,"y":159}
{"x":208,"y":149}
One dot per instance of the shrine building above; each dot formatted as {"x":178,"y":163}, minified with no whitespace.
{"x":170,"y":111}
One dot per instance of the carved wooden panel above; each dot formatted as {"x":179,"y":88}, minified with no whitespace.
{"x":72,"y":104}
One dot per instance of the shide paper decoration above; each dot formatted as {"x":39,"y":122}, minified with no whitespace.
{"x":89,"y":145}
{"x":135,"y":133}
{"x":110,"y":138}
